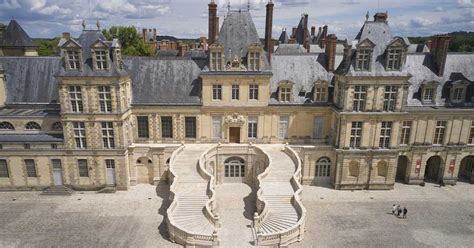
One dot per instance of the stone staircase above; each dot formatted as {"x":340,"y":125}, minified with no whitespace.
{"x":58,"y":190}
{"x":191,"y":195}
{"x":278,"y":192}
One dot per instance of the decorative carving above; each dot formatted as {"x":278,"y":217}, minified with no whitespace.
{"x":234,"y":119}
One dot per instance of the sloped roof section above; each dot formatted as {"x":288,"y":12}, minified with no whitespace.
{"x":284,"y":39}
{"x":15,"y":36}
{"x":158,"y":81}
{"x":31,"y":79}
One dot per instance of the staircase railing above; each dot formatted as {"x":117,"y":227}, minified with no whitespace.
{"x":209,"y":209}
{"x":262,"y":210}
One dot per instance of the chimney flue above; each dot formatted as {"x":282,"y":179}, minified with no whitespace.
{"x":380,"y":17}
{"x":313,"y":31}
{"x":66,"y":35}
{"x":212,"y":22}
{"x":439,"y":50}
{"x":331,"y":42}
{"x":268,"y":29}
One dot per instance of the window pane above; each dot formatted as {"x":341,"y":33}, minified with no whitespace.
{"x":4,"y":168}
{"x":190,"y":126}
{"x":142,"y":126}
{"x":166,"y":127}
{"x":30,"y":167}
{"x":83,"y":168}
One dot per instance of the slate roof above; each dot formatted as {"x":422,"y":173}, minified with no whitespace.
{"x":284,"y":39}
{"x":31,"y":79}
{"x":288,"y":49}
{"x":299,"y":35}
{"x":158,"y":81}
{"x":31,"y":138}
{"x":15,"y":36}
{"x":29,"y":112}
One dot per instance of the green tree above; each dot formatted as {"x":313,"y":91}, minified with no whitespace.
{"x":132,"y":43}
{"x":47,"y":47}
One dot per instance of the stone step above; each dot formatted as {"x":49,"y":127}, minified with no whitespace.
{"x":58,"y":190}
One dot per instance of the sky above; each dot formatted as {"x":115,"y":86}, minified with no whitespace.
{"x":188,"y":18}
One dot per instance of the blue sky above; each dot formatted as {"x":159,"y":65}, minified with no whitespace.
{"x":188,"y":18}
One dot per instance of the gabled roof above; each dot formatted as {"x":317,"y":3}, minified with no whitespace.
{"x":299,"y":36}
{"x":284,"y":39}
{"x":15,"y":36}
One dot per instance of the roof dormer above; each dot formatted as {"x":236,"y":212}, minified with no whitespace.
{"x":100,"y":56}
{"x":396,"y":54}
{"x":254,"y":61}
{"x":364,"y":53}
{"x":71,"y":51}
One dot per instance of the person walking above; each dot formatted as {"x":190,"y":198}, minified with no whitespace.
{"x":405,"y":211}
{"x":399,"y":211}
{"x":394,"y":209}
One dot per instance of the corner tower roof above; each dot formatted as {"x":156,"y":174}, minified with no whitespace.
{"x":15,"y":36}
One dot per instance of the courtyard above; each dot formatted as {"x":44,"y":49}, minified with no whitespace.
{"x":437,"y":217}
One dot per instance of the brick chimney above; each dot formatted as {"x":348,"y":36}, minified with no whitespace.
{"x":268,"y":28}
{"x":313,"y":31}
{"x":66,"y":35}
{"x":293,"y":33}
{"x":331,"y":42}
{"x":305,"y":32}
{"x":381,"y":17}
{"x":212,"y":21}
{"x":324,"y":35}
{"x":182,"y":49}
{"x":439,"y":51}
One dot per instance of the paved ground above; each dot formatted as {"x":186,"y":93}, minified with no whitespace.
{"x":437,"y":217}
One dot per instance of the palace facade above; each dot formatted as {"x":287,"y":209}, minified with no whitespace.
{"x":361,"y":114}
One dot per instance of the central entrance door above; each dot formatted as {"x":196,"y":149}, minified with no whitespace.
{"x":432,"y":170}
{"x":234,"y":134}
{"x":57,"y":172}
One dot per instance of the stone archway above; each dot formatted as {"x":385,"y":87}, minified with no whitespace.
{"x":144,"y":167}
{"x":402,"y":167}
{"x":432,"y":169}
{"x":466,"y":170}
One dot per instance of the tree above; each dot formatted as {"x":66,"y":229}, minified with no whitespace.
{"x":132,"y":43}
{"x":47,"y":47}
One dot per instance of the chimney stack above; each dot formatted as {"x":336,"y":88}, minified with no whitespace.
{"x":439,"y":50}
{"x":324,"y":35}
{"x":331,"y":42}
{"x":293,"y":33}
{"x":268,"y":29}
{"x":313,"y":31}
{"x":66,"y":35}
{"x":182,"y":49}
{"x":212,"y":22}
{"x":305,"y":32}
{"x":381,"y":17}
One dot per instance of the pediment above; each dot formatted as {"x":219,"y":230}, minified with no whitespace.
{"x":397,"y":42}
{"x":71,"y":44}
{"x":366,"y":44}
{"x":99,"y":44}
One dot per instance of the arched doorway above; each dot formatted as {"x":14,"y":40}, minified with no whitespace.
{"x":234,"y":170}
{"x":402,"y":166}
{"x":432,"y":169}
{"x":322,"y":172}
{"x":466,"y":169}
{"x":144,"y":171}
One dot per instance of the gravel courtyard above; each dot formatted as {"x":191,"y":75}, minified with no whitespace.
{"x":437,"y":217}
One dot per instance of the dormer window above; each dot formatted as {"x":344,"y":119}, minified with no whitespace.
{"x":428,"y":94}
{"x":101,"y":60}
{"x":216,"y":61}
{"x":363,"y":59}
{"x":458,"y":92}
{"x":320,"y":92}
{"x":285,"y":91}
{"x":254,"y":61}
{"x":73,"y":60}
{"x":394,"y":59}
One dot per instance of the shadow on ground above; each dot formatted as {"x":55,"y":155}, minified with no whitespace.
{"x":163,"y":191}
{"x":250,"y":204}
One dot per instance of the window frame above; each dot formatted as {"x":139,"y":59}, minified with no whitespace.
{"x":283,"y":126}
{"x":84,"y":171}
{"x":285,"y":93}
{"x":320,"y":93}
{"x":432,"y":98}
{"x":253,"y":92}
{"x":75,"y":97}
{"x":363,"y":59}
{"x":322,"y":167}
{"x":190,"y":127}
{"x":80,"y":135}
{"x":4,"y":170}
{"x":440,"y":132}
{"x":360,"y":98}
{"x":108,"y":139}
{"x":252,"y":127}
{"x":101,"y":60}
{"x":355,"y":140}
{"x":166,"y":127}
{"x":318,"y":127}
{"x":73,"y":59}
{"x":32,"y":126}
{"x":6,"y":126}
{"x":105,"y":99}
{"x":405,"y":133}
{"x":30,"y":168}
{"x":143,"y":127}
{"x":216,"y":124}
{"x":385,"y":134}
{"x":217,"y":92}
{"x":235,"y":92}
{"x":254,"y":61}
{"x":394,"y":59}
{"x":390,"y":98}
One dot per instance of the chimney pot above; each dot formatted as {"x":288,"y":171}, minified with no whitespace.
{"x":439,"y":50}
{"x":331,"y":42}
{"x":380,"y":17}
{"x":313,"y":31}
{"x":269,"y":29}
{"x":66,"y":35}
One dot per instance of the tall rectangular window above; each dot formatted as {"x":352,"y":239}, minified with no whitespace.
{"x":105,"y":99}
{"x":283,"y":127}
{"x":142,"y":127}
{"x":390,"y":98}
{"x":4,"y":168}
{"x":394,"y":59}
{"x":101,"y":60}
{"x":83,"y":168}
{"x":320,"y":94}
{"x":253,"y":92}
{"x":318,"y":127}
{"x":216,"y":127}
{"x":190,"y":127}
{"x":216,"y":61}
{"x":363,"y":60}
{"x":360,"y":93}
{"x":30,"y":168}
{"x":75,"y":96}
{"x":73,"y":59}
{"x":217,"y":92}
{"x":428,"y":94}
{"x":458,"y":94}
{"x":80,"y":134}
{"x":471,"y":134}
{"x":254,"y":61}
{"x":285,"y":94}
{"x":385,"y":134}
{"x":356,"y":134}
{"x":166,"y":127}
{"x":406,"y":132}
{"x":252,"y":127}
{"x":108,"y":135}
{"x":440,"y":130}
{"x":235,"y":92}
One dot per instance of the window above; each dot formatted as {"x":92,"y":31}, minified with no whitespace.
{"x":190,"y":127}
{"x":234,"y":167}
{"x":458,"y":94}
{"x":354,"y":169}
{"x":254,"y":61}
{"x":1,"y":146}
{"x":216,"y":61}
{"x":76,"y":98}
{"x":6,"y":126}
{"x":105,"y":99}
{"x":56,"y":163}
{"x":356,"y":134}
{"x":385,"y":134}
{"x":252,"y":127}
{"x":101,"y":60}
{"x":382,"y":169}
{"x":73,"y":60}
{"x":216,"y":127}
{"x":4,"y":168}
{"x":428,"y":94}
{"x":30,"y":168}
{"x":110,"y":164}
{"x":318,"y":127}
{"x":167,"y":127}
{"x":108,"y":135}
{"x":253,"y":92}
{"x":471,"y":134}
{"x":235,"y":92}
{"x":406,"y":132}
{"x":439,"y":132}
{"x":54,"y":146}
{"x":320,"y":93}
{"x":394,"y":59}
{"x":363,"y":59}
{"x":283,"y":128}
{"x":27,"y":146}
{"x":217,"y":92}
{"x":285,"y":93}
{"x":32,"y":126}
{"x":323,"y":167}
{"x":142,"y":126}
{"x":80,"y":135}
{"x":390,"y":98}
{"x":360,"y":93}
{"x":83,"y":168}
{"x":57,"y":126}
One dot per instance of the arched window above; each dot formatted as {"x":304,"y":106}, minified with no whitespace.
{"x":32,"y":126}
{"x":234,"y":167}
{"x":323,"y":167}
{"x":354,"y":169}
{"x":6,"y":126}
{"x":382,"y":169}
{"x":57,"y":126}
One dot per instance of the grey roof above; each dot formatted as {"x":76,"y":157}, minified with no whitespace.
{"x":299,"y":36}
{"x":29,"y":112}
{"x":15,"y":36}
{"x":31,"y":138}
{"x":31,"y":79}
{"x":167,"y":53}
{"x":286,"y":49}
{"x":238,"y":32}
{"x":164,"y":81}
{"x":284,"y":39}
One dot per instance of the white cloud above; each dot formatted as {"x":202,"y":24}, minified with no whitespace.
{"x":466,"y":3}
{"x":420,"y":22}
